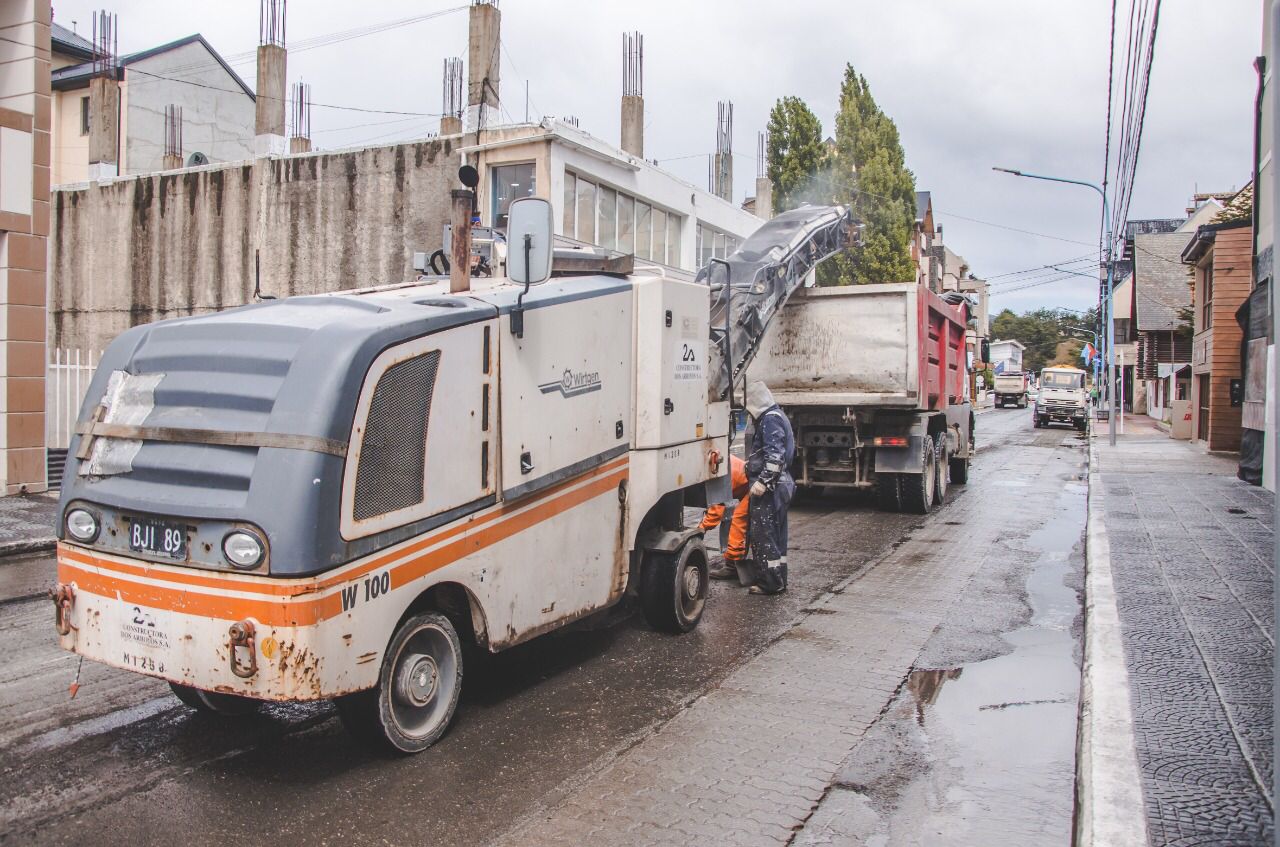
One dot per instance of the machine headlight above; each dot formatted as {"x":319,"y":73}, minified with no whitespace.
{"x":242,"y":549}
{"x":82,"y":525}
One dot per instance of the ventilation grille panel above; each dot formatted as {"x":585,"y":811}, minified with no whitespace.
{"x":393,"y":451}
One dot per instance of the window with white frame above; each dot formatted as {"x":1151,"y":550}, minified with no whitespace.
{"x":714,"y":244}
{"x":603,"y":215}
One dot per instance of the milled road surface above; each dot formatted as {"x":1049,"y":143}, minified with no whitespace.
{"x":124,"y":762}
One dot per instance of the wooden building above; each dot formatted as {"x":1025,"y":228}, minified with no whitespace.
{"x":1220,"y":254}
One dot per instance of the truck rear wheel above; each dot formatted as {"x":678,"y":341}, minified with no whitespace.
{"x":889,"y":491}
{"x":674,"y":586}
{"x":942,"y":464}
{"x":417,"y":692}
{"x":917,"y":489}
{"x":215,"y":702}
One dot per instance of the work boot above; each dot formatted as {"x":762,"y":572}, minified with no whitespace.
{"x":725,"y":569}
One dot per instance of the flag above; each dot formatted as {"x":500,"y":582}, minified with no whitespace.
{"x":1088,"y":352}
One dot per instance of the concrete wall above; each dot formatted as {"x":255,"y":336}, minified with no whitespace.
{"x":165,"y":245}
{"x":217,"y":115}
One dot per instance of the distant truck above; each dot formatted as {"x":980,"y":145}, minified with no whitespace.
{"x":1062,"y":398}
{"x":874,"y":379}
{"x":1011,"y":390}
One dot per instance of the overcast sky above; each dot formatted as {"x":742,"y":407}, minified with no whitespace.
{"x":970,"y":83}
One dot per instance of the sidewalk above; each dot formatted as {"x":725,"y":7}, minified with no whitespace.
{"x":26,"y":523}
{"x":1188,"y":551}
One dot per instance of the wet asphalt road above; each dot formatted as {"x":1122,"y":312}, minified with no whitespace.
{"x":124,"y":762}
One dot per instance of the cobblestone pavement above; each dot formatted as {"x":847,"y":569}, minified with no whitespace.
{"x":750,"y":761}
{"x":1191,"y":557}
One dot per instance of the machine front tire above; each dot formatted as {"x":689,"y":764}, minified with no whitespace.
{"x":417,"y":693}
{"x":215,"y":702}
{"x":674,"y":587}
{"x":917,"y":489}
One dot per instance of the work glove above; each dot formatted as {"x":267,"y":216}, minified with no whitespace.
{"x":758,"y":488}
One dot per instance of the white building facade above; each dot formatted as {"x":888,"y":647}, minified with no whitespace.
{"x":605,"y":197}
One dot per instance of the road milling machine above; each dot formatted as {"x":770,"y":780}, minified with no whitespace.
{"x":340,"y":496}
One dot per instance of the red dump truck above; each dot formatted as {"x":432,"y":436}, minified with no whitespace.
{"x":875,"y":380}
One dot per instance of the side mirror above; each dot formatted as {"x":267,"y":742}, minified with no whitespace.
{"x":528,"y":250}
{"x":529,"y":236}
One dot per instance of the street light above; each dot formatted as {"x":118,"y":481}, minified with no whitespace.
{"x":1110,"y":324}
{"x":1092,"y":332}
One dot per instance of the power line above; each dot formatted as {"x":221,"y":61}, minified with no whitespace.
{"x":1073,"y":261}
{"x":316,"y":105}
{"x":1140,"y":44}
{"x":1062,"y":278}
{"x":1051,"y":272}
{"x":327,"y":39}
{"x":938,"y":211}
{"x":1106,"y":156}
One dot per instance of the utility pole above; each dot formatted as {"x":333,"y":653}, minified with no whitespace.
{"x":1109,"y":327}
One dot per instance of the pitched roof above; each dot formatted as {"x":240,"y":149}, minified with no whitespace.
{"x":66,"y":41}
{"x":77,"y":76}
{"x":1161,"y":281}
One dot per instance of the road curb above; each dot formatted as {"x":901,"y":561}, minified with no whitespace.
{"x":27,"y":545}
{"x":1109,"y":799}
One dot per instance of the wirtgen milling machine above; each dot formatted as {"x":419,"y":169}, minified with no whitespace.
{"x":328,"y":496}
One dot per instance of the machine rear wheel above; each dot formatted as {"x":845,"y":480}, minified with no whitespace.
{"x":674,"y":587}
{"x":417,"y":692}
{"x":215,"y":702}
{"x":917,"y":489}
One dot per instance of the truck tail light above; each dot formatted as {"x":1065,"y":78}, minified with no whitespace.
{"x":890,"y":441}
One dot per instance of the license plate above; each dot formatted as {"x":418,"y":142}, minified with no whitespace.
{"x":159,"y":538}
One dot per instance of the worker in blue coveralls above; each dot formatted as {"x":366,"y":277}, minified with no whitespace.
{"x":773,"y":446}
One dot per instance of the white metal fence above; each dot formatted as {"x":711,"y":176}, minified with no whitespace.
{"x":66,"y":383}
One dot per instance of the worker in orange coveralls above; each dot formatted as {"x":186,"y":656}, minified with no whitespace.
{"x":736,"y":550}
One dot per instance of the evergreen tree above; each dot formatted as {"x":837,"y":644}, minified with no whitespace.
{"x":795,"y":154}
{"x":869,"y":173}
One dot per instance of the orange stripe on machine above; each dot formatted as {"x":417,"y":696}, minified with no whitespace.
{"x":299,"y":603}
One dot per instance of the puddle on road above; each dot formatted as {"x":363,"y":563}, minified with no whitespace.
{"x":1005,"y":728}
{"x":984,"y":753}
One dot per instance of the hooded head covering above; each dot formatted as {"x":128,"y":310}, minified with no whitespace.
{"x":759,"y":400}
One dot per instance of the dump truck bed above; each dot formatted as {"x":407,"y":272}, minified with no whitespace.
{"x":895,"y":345}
